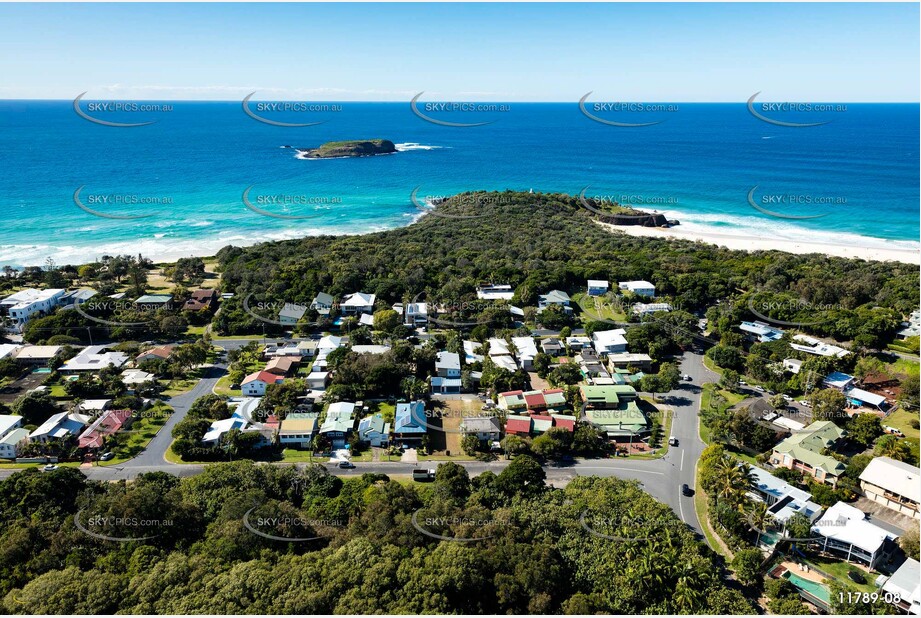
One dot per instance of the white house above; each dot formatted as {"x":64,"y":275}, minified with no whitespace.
{"x":254,"y":384}
{"x":291,"y":313}
{"x":783,"y":500}
{"x":94,"y":358}
{"x":894,"y":484}
{"x":374,"y":430}
{"x":59,"y":426}
{"x":22,"y":305}
{"x":811,"y":345}
{"x":317,"y":380}
{"x":609,"y":341}
{"x":650,"y":308}
{"x":8,"y":349}
{"x":838,"y":381}
{"x":640,"y":288}
{"x":11,"y":444}
{"x":470,"y":352}
{"x":495,"y":291}
{"x":486,"y":429}
{"x":416,"y":314}
{"x":504,"y":361}
{"x":526,"y":351}
{"x":498,"y":347}
{"x":9,"y":422}
{"x":764,"y":332}
{"x":905,"y":585}
{"x":219,"y":428}
{"x":845,"y":531}
{"x":792,"y":365}
{"x":447,"y":365}
{"x":554,"y":297}
{"x":598,"y":287}
{"x":356,"y":303}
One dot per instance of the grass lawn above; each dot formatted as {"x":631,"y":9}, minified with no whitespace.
{"x":57,"y":392}
{"x":290,"y":455}
{"x":177,"y":387}
{"x":196,"y":331}
{"x":703,"y":514}
{"x":901,"y":420}
{"x":709,"y":364}
{"x":223,"y":388}
{"x":594,"y":308}
{"x":705,"y":397}
{"x":904,"y":366}
{"x":838,"y":569}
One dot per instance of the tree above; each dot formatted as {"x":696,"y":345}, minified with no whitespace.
{"x":542,"y":364}
{"x":778,"y":402}
{"x":470,"y":444}
{"x":864,"y":428}
{"x":747,"y":566}
{"x":565,"y":373}
{"x":909,"y":543}
{"x":514,"y":445}
{"x":910,"y":387}
{"x":894,"y":448}
{"x":386,"y":320}
{"x":729,"y":381}
{"x":828,"y":405}
{"x":524,"y":475}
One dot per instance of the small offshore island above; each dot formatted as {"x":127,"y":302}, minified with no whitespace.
{"x":348,"y":148}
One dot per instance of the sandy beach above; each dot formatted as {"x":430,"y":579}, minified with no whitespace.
{"x":746,"y":242}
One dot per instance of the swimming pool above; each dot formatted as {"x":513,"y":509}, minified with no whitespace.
{"x":819,"y":591}
{"x":41,"y":370}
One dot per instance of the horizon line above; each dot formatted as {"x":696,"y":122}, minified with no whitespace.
{"x":403,"y":101}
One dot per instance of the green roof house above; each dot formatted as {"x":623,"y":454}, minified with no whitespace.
{"x":803,"y":452}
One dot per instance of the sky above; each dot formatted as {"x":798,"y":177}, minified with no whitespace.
{"x":721,"y":52}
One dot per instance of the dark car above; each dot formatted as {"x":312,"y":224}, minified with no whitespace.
{"x":685,"y":490}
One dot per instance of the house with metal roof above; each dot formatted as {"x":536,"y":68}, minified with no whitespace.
{"x":625,"y":422}
{"x":410,"y":424}
{"x":904,"y":587}
{"x":783,"y":499}
{"x":554,"y":297}
{"x":298,"y":429}
{"x":339,"y":422}
{"x":894,"y":484}
{"x":763,"y":331}
{"x":374,"y":430}
{"x":597,"y":287}
{"x":845,"y":531}
{"x":802,"y":452}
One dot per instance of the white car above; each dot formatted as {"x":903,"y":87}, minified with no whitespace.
{"x":759,"y":388}
{"x":787,"y":397}
{"x":50,"y":468}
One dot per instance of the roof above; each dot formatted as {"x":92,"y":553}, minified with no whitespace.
{"x":370,"y":349}
{"x":608,"y":338}
{"x":36,"y":352}
{"x":866,"y":397}
{"x":448,"y":360}
{"x":554,"y":296}
{"x":94,"y":357}
{"x":847,"y":524}
{"x":161,"y":351}
{"x":807,"y":445}
{"x":108,"y":423}
{"x":498,"y":347}
{"x":498,"y":291}
{"x":815,"y":346}
{"x":59,"y":425}
{"x":219,"y":428}
{"x":564,"y":421}
{"x":598,"y":283}
{"x":292,"y":311}
{"x":800,"y":501}
{"x":525,"y":346}
{"x":264,"y":376}
{"x":298,"y":422}
{"x":154,"y":299}
{"x":446,"y":382}
{"x":8,"y":421}
{"x":763,"y":330}
{"x":281,"y":363}
{"x":131,"y":377}
{"x":905,"y":582}
{"x":627,"y":418}
{"x":895,"y":476}
{"x":358,"y":299}
{"x":629,"y":357}
{"x":410,"y":418}
{"x":340,"y":409}
{"x":505,"y":362}
{"x":630,"y":285}
{"x":480,"y":424}
{"x":541,"y":422}
{"x":517,"y":424}
{"x":839,"y":380}
{"x":373,"y":424}
{"x":322,"y":298}
{"x":329,"y":342}
{"x":15,"y":437}
{"x":607,"y":394}
{"x":6,"y":349}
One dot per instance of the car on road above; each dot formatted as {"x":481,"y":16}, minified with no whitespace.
{"x":346,"y":465}
{"x":758,"y":388}
{"x":50,"y":468}
{"x":686,"y":378}
{"x":787,"y":397}
{"x":106,"y":456}
{"x":685,"y":490}
{"x":743,"y":383}
{"x":673,"y":441}
{"x":805,"y":403}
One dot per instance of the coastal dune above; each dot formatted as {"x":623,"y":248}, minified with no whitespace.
{"x":747,"y":242}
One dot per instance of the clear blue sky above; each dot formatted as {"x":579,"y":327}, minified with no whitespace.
{"x":484,"y":52}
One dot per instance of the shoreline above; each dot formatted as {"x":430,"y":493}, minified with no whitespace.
{"x":748,"y":243}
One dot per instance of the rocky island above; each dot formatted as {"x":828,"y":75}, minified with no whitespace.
{"x":349,"y":148}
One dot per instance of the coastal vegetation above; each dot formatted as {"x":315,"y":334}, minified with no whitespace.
{"x":349,"y":148}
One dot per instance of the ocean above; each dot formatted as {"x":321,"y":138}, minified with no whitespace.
{"x":175,"y":188}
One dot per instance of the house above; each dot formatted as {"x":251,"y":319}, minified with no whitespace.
{"x":446,"y":386}
{"x":290,"y":314}
{"x":642,"y":309}
{"x":318,"y":380}
{"x":36,"y":354}
{"x":606,"y":397}
{"x":911,"y":327}
{"x":9,"y":422}
{"x":92,"y":407}
{"x":859,"y":397}
{"x":370,"y":348}
{"x":540,"y":423}
{"x":838,"y":381}
{"x":298,"y":429}
{"x":578,"y":342}
{"x":76,"y":297}
{"x":356,"y":303}
{"x":505,"y":362}
{"x":904,"y":587}
{"x":339,"y":422}
{"x":622,"y":360}
{"x":894,"y":484}
{"x":448,"y":365}
{"x":551,"y":346}
{"x":410,"y":425}
{"x":94,"y":358}
{"x":516,"y":425}
{"x":201,"y":300}
{"x":640,"y":288}
{"x":526,"y":351}
{"x":107,"y":424}
{"x":322,"y":303}
{"x":609,"y":341}
{"x":498,"y":347}
{"x":254,"y":384}
{"x":554,"y":297}
{"x":162,"y":352}
{"x":811,"y":345}
{"x":282,"y":365}
{"x":416,"y":314}
{"x":597,"y":287}
{"x":495,"y":291}
{"x":154,"y":302}
{"x":470,"y":352}
{"x":374,"y":430}
{"x":762,"y":331}
{"x":844,"y":530}
{"x":22,"y":305}
{"x":783,"y":499}
{"x":12,"y":443}
{"x":132,"y":378}
{"x":533,"y":401}
{"x":222,"y":427}
{"x":59,"y":427}
{"x":624,"y":422}
{"x":366,"y":319}
{"x":792,"y":365}
{"x":485,"y":428}
{"x":8,"y":349}
{"x":564,"y":421}
{"x":299,"y":349}
{"x":802,"y":452}
{"x":326,"y":345}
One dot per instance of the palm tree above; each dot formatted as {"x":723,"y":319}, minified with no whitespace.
{"x":758,"y":518}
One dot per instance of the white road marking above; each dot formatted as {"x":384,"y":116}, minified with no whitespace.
{"x":681,"y":467}
{"x":620,"y":470}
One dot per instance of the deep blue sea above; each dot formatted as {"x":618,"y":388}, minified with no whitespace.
{"x":187,"y":172}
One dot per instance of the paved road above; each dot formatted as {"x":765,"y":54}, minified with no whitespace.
{"x":662,"y":478}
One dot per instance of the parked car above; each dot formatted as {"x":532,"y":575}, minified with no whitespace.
{"x":673,"y":441}
{"x":787,"y":397}
{"x":686,"y":491}
{"x":50,"y":468}
{"x":758,"y":388}
{"x":892,"y":430}
{"x":346,"y":465}
{"x":686,"y":378}
{"x":106,"y":456}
